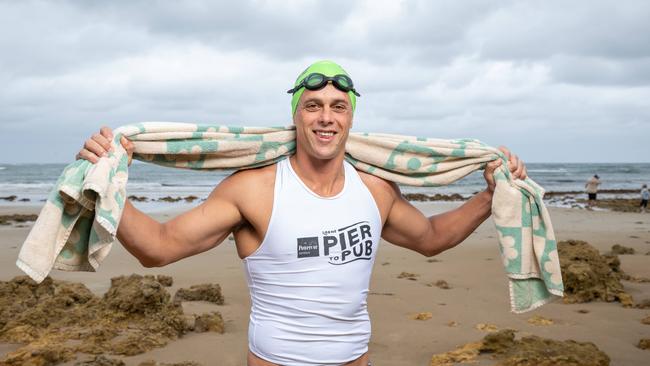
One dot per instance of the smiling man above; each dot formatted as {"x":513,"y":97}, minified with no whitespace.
{"x":307,"y":230}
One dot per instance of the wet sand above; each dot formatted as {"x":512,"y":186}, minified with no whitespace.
{"x":478,"y":293}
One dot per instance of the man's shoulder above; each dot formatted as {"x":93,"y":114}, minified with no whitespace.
{"x":267,"y":171}
{"x":378,"y":185}
{"x":252,"y":178}
{"x":247,"y":183}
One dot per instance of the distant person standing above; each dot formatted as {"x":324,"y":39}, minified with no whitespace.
{"x":592,"y":189}
{"x":645,"y":195}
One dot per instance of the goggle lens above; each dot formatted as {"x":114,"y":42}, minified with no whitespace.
{"x":317,"y":81}
{"x":343,"y":82}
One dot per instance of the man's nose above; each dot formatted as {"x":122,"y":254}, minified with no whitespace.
{"x":326,"y":116}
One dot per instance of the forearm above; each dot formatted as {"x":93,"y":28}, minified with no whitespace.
{"x":141,"y":235}
{"x":452,"y":227}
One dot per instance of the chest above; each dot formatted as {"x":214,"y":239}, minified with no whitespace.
{"x":324,"y":228}
{"x":337,"y":225}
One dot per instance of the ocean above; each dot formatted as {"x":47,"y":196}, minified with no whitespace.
{"x":31,"y":183}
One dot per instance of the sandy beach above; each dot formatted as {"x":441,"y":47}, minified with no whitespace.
{"x":478,"y":293}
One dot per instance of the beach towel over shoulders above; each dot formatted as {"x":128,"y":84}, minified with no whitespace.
{"x":79,"y":221}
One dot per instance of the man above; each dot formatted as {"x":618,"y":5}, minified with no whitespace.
{"x":592,"y":189}
{"x":307,"y":230}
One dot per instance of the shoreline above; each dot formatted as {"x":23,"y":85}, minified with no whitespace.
{"x":622,"y":200}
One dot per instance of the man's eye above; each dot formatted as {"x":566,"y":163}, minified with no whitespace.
{"x":311,"y":106}
{"x":340,"y":108}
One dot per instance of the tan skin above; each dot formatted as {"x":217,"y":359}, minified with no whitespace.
{"x":241,"y":204}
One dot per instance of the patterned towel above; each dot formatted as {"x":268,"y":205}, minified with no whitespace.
{"x":78,"y":223}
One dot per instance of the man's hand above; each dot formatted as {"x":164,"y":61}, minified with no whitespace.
{"x":516,"y":166}
{"x":99,"y":144}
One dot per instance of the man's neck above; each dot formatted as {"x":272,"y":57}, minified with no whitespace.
{"x":324,"y":177}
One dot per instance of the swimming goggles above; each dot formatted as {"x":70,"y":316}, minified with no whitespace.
{"x":317,"y":81}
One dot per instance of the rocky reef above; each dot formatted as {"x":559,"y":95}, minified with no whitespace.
{"x":590,"y":276}
{"x":56,"y":320}
{"x":527,"y":351}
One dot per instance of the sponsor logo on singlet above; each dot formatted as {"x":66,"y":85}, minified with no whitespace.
{"x":341,"y":246}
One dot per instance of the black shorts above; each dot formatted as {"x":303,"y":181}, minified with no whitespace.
{"x":644,"y":203}
{"x":592,"y":196}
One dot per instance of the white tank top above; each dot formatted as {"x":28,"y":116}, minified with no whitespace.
{"x":309,"y":278}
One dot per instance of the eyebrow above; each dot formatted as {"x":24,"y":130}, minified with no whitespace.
{"x":320,"y":101}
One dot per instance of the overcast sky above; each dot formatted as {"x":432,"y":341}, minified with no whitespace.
{"x":556,"y":81}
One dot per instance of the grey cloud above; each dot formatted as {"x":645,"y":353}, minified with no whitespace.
{"x":601,"y":71}
{"x":431,"y":33}
{"x":275,"y":29}
{"x":569,"y":74}
{"x":50,"y":38}
{"x":539,"y":30}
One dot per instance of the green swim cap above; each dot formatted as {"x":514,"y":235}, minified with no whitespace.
{"x":327,"y":68}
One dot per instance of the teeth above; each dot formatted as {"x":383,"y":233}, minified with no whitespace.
{"x":323,"y":133}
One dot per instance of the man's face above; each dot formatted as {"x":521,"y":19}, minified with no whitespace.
{"x":323,"y":120}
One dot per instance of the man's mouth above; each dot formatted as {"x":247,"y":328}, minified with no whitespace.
{"x":324,"y":135}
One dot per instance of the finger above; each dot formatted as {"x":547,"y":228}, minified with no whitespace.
{"x":88,"y":155}
{"x":488,"y":173}
{"x":524,"y":173}
{"x":106,"y":132}
{"x":520,"y":168}
{"x":490,"y":168}
{"x":95,"y":148}
{"x":127,"y":144}
{"x":103,"y":141}
{"x":124,"y":141}
{"x":129,"y":147}
{"x":494,"y":164}
{"x":513,"y":163}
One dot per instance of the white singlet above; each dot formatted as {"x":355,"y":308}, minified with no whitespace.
{"x":309,"y":278}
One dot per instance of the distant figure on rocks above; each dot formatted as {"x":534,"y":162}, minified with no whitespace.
{"x":592,"y":189}
{"x":645,"y":195}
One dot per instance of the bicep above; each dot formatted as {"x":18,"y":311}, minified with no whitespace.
{"x":403,"y":224}
{"x":204,"y":226}
{"x":406,"y":226}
